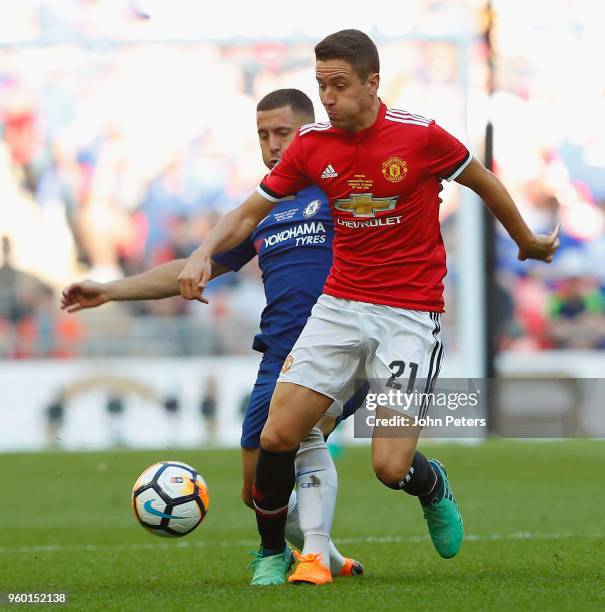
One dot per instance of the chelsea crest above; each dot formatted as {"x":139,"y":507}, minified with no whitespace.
{"x":311,"y":208}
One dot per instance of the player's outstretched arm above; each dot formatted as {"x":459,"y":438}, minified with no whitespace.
{"x":154,"y":284}
{"x":489,"y":188}
{"x":231,"y":230}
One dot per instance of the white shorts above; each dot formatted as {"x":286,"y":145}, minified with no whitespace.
{"x":346,"y":342}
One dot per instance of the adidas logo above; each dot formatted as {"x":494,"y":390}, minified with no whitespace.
{"x":329,"y":172}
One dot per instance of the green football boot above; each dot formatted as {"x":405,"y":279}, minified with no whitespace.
{"x":271,"y":570}
{"x":444,"y":519}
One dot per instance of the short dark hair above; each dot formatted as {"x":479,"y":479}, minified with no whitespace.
{"x":353,"y":46}
{"x":296,"y":99}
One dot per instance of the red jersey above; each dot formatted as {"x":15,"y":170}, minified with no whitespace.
{"x":383,"y":187}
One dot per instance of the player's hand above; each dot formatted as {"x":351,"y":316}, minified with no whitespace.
{"x":86,"y":294}
{"x":195,"y":276}
{"x":542,"y":247}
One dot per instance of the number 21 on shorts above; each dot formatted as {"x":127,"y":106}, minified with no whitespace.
{"x":397,"y":370}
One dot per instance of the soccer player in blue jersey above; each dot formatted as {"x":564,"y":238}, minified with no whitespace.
{"x":294,"y":247}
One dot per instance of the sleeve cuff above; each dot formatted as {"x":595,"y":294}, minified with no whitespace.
{"x":460,"y":167}
{"x":267,"y":194}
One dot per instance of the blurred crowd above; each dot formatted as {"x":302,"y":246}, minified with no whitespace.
{"x":550,"y":152}
{"x":117,"y":154}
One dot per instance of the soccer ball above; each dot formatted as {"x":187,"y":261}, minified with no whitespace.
{"x":170,"y":499}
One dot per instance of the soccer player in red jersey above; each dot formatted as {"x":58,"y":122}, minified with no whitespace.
{"x":379,"y":315}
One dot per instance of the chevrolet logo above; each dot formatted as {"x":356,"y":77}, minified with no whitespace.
{"x":365,"y":205}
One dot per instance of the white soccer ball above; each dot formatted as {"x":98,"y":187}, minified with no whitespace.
{"x":170,"y":499}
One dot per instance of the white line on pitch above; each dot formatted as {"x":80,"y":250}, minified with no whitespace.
{"x":49,"y":548}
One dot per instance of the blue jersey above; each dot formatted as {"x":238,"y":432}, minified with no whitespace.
{"x":294,"y":248}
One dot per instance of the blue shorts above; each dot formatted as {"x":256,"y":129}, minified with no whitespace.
{"x":260,"y":399}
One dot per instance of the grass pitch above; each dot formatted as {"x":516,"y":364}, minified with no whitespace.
{"x":534,"y":519}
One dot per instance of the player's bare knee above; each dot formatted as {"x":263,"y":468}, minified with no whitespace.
{"x":387,"y":476}
{"x":277,"y":439}
{"x":391,"y":472}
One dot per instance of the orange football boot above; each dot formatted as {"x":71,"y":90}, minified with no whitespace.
{"x":351,"y":568}
{"x":310,"y":570}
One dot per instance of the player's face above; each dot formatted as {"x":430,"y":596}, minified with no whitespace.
{"x":345,"y":97}
{"x":276,"y":129}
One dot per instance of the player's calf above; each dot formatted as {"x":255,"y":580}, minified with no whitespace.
{"x":270,"y":493}
{"x":317,"y":484}
{"x":427,"y":480}
{"x":246,"y":495}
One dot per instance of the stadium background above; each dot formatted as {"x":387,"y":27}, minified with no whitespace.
{"x":127,"y":129}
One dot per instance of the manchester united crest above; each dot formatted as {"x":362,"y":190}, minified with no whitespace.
{"x":287,"y":364}
{"x":394,"y":169}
